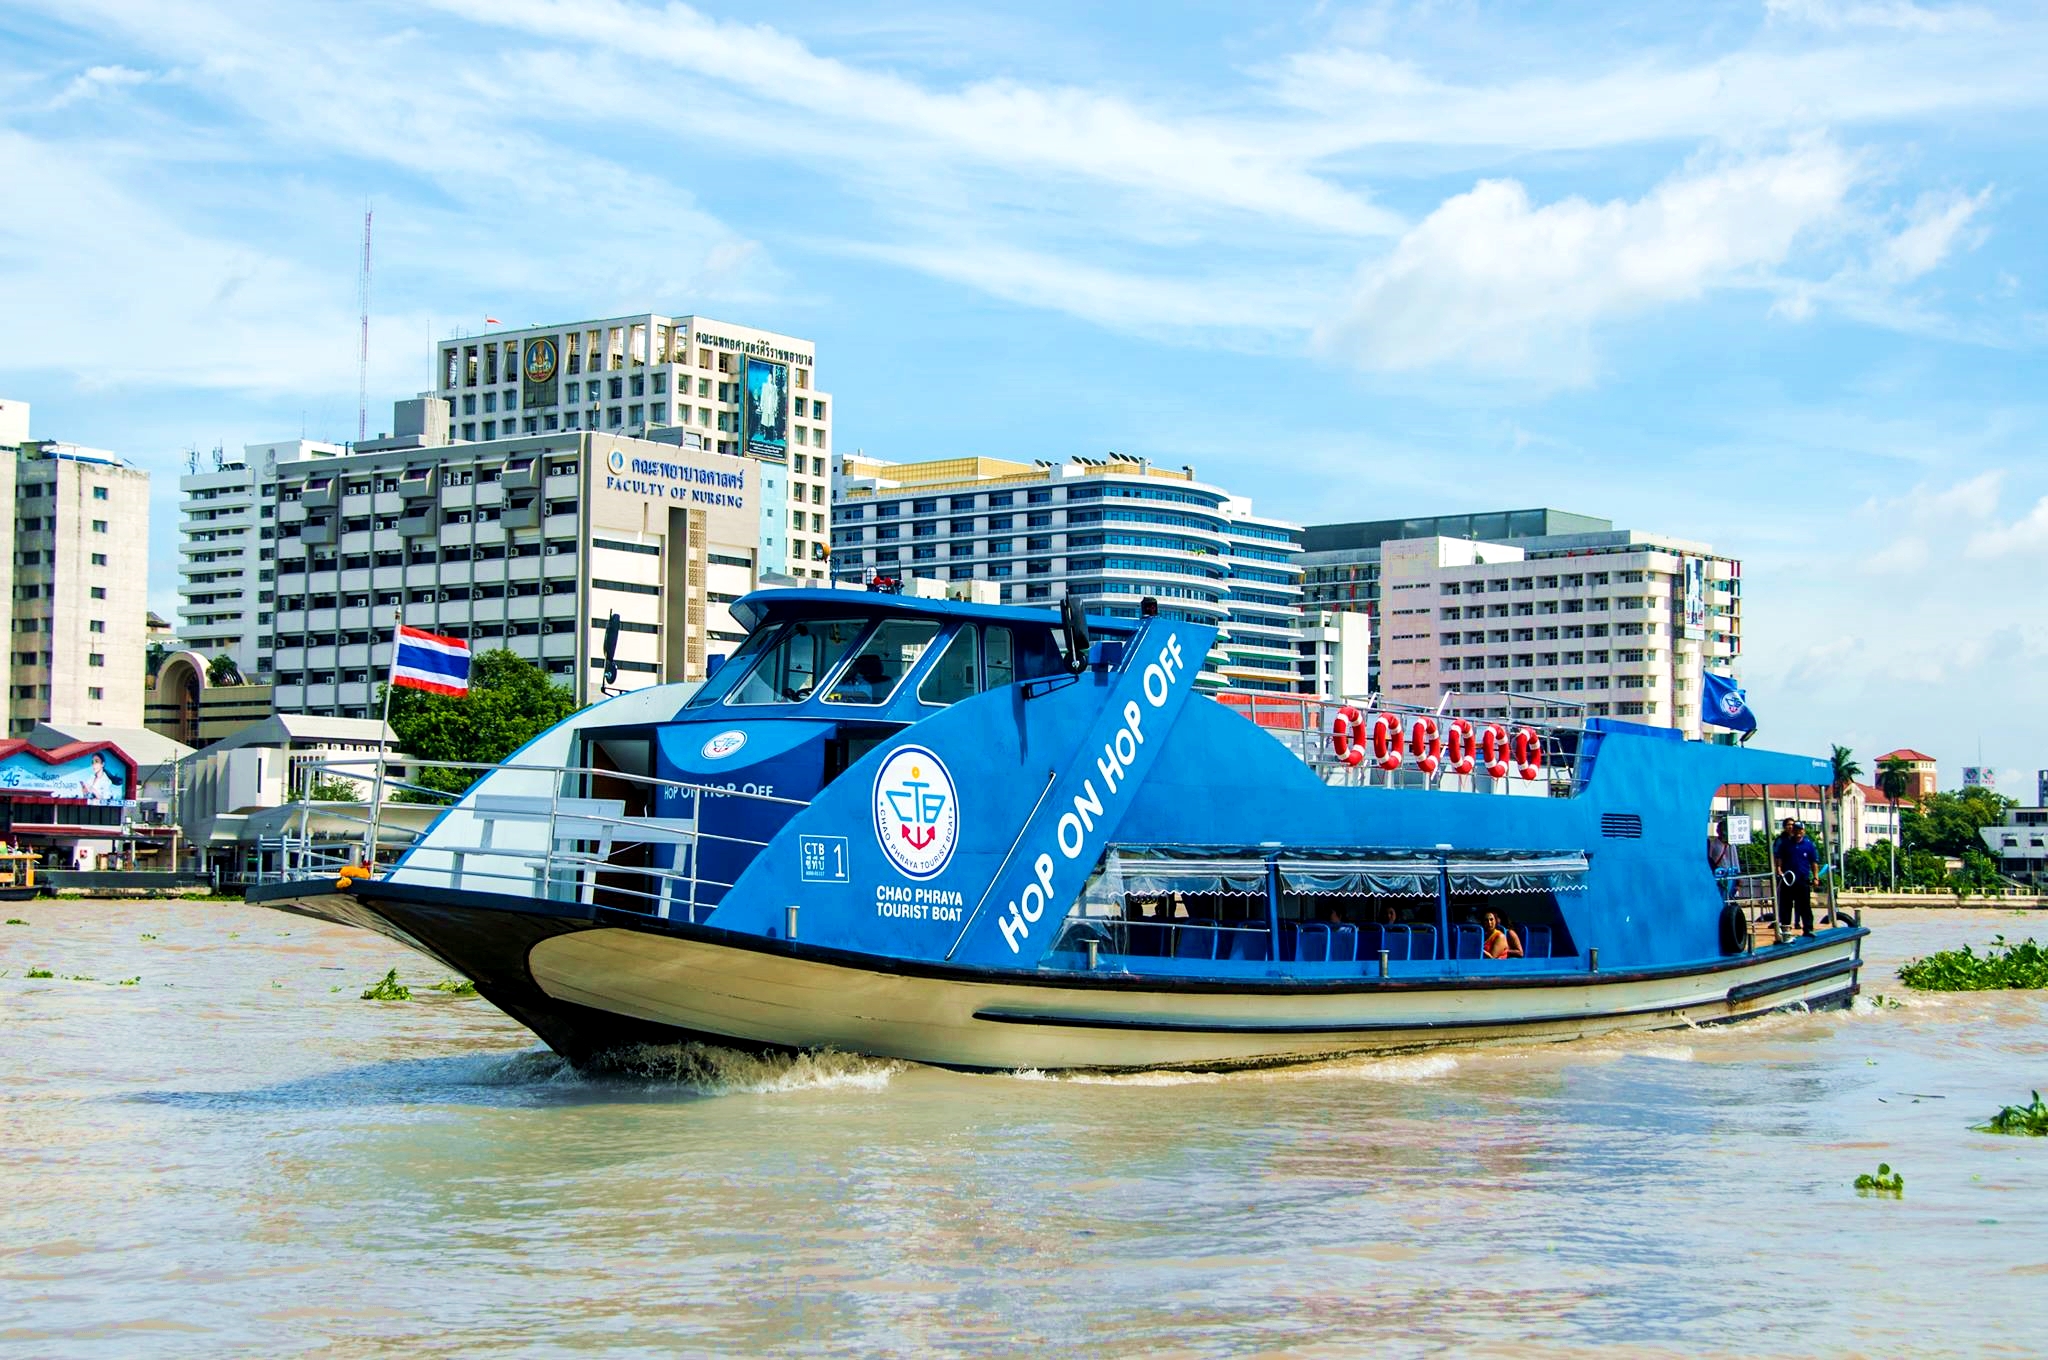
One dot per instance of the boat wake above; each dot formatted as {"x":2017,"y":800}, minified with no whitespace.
{"x":1404,"y":1068}
{"x":705,"y":1069}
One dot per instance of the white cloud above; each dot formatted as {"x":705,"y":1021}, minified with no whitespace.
{"x":1932,"y":228}
{"x":2028,"y":534}
{"x":95,"y":81}
{"x":1493,"y":282}
{"x":1892,"y":14}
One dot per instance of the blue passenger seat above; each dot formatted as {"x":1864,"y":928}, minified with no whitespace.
{"x":1422,"y":942}
{"x":1466,"y":942}
{"x":1315,"y":943}
{"x":1400,"y":943}
{"x":1147,"y":939}
{"x":1536,"y":941}
{"x":1250,"y":945}
{"x":1371,"y":940}
{"x":1344,"y":944}
{"x":1195,"y":940}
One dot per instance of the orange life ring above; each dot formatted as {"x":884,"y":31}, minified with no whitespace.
{"x":1528,"y":752}
{"x":1386,"y":741}
{"x":1426,"y":745}
{"x":1345,"y":731}
{"x":1493,"y":749}
{"x":1458,"y":746}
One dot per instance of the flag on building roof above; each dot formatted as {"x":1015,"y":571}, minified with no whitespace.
{"x":428,"y":661}
{"x":490,"y":321}
{"x":1723,"y":704}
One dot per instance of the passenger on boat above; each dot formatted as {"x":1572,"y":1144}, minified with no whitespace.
{"x":1796,"y":858}
{"x":1721,"y":856}
{"x":1389,"y":916}
{"x":866,"y":681}
{"x":1500,"y":941}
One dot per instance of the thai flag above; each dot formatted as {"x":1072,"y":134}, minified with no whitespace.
{"x":428,"y":661}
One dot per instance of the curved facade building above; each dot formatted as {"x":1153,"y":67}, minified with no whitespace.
{"x":1108,"y":531}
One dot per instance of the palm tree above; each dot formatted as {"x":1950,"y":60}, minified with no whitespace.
{"x":1894,"y":776}
{"x":1847,"y":772}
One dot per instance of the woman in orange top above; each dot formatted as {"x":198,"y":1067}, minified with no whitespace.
{"x":1500,"y":943}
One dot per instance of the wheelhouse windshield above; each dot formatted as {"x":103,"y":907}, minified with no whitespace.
{"x":734,"y":666}
{"x":890,"y":654}
{"x":790,"y":667}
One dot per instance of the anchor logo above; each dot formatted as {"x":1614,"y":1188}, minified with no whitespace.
{"x":917,"y":813}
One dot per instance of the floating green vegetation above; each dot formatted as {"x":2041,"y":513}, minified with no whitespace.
{"x":1885,"y":1182}
{"x":147,"y":938}
{"x":388,"y":988}
{"x":455,"y":987}
{"x":79,"y":977}
{"x":40,"y":973}
{"x":1879,"y":1001}
{"x":2020,"y":1119}
{"x":16,"y":921}
{"x":2002,"y":966}
{"x":135,"y":981}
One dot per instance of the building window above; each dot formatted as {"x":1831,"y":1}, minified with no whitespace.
{"x":99,"y":526}
{"x":96,"y":659}
{"x":99,"y":493}
{"x":96,"y":626}
{"x":95,"y":692}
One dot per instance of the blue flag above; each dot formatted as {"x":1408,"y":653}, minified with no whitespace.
{"x":1723,"y":704}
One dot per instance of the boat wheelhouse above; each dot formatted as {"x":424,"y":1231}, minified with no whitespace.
{"x":995,"y":837}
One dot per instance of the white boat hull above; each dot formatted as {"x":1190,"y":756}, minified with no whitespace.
{"x":1101,"y":1021}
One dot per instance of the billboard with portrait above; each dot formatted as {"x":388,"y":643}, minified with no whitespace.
{"x":766,"y":413}
{"x":540,"y":366}
{"x":97,"y":777}
{"x":1693,"y":572}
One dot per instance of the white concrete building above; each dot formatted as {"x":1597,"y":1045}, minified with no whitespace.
{"x":227,"y":530}
{"x":1334,"y":650}
{"x":1107,"y":531}
{"x":688,"y":381}
{"x":77,"y":553}
{"x":2020,"y":845}
{"x":529,"y":543}
{"x":1614,"y":624}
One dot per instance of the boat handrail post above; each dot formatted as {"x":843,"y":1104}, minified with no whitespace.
{"x":1383,"y":963}
{"x":1273,"y":901}
{"x":1443,"y":899}
{"x":789,"y":921}
{"x":1593,"y":958}
{"x":1092,"y":945}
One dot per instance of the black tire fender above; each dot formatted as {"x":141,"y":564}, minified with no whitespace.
{"x":1735,"y":932}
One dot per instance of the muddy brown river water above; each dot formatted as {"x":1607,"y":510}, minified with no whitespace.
{"x":236,"y":1155}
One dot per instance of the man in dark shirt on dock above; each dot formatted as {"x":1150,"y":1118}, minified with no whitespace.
{"x":1795,"y":858}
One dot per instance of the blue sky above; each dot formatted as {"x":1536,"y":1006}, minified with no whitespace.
{"x":1769,"y":275}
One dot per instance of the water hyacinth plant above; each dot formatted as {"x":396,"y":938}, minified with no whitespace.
{"x":2002,"y":966}
{"x":2019,"y":1119}
{"x":388,"y":988}
{"x":1885,"y":1182}
{"x":455,"y":987}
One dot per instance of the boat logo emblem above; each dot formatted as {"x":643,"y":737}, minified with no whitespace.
{"x":724,"y":744}
{"x":917,"y":812}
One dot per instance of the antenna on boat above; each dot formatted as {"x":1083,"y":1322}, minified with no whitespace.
{"x":611,"y":649}
{"x":1074,"y":623}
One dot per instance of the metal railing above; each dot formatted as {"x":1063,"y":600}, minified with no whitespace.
{"x":542,"y":837}
{"x":1309,"y":727}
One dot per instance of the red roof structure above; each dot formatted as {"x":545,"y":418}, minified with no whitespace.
{"x":1907,"y":753}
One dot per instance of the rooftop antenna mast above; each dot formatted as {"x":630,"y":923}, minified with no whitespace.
{"x":363,"y":356}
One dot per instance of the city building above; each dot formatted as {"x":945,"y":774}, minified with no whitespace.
{"x":527,"y":542}
{"x":1335,"y":653}
{"x":77,"y":554}
{"x":2020,"y":844}
{"x":1922,"y":775}
{"x":240,"y":793}
{"x":226,"y":532}
{"x":1605,"y":624}
{"x":1867,"y":816}
{"x":689,"y":381}
{"x":1108,"y":531}
{"x":183,"y":701}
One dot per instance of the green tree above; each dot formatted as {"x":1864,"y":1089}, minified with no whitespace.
{"x":510,"y":701}
{"x":330,"y":789}
{"x":222,"y":670}
{"x":1948,"y":823}
{"x":1847,"y":770}
{"x":1863,"y":868}
{"x":1894,"y":777}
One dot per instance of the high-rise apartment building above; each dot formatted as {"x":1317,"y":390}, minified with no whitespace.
{"x":1108,"y":531}
{"x":688,"y":381}
{"x":227,"y":564}
{"x":1614,"y":624}
{"x":77,"y":549}
{"x":525,"y":542}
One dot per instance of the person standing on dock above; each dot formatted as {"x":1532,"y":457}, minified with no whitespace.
{"x":1795,"y":858}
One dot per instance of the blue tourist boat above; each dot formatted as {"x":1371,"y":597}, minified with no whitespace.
{"x":994,"y":837}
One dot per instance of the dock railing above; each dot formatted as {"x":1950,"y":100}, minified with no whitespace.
{"x":542,"y":838}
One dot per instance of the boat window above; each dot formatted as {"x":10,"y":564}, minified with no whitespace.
{"x":789,"y":669}
{"x":954,"y":677}
{"x":999,"y":661}
{"x":891,"y":650}
{"x":733,"y":667}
